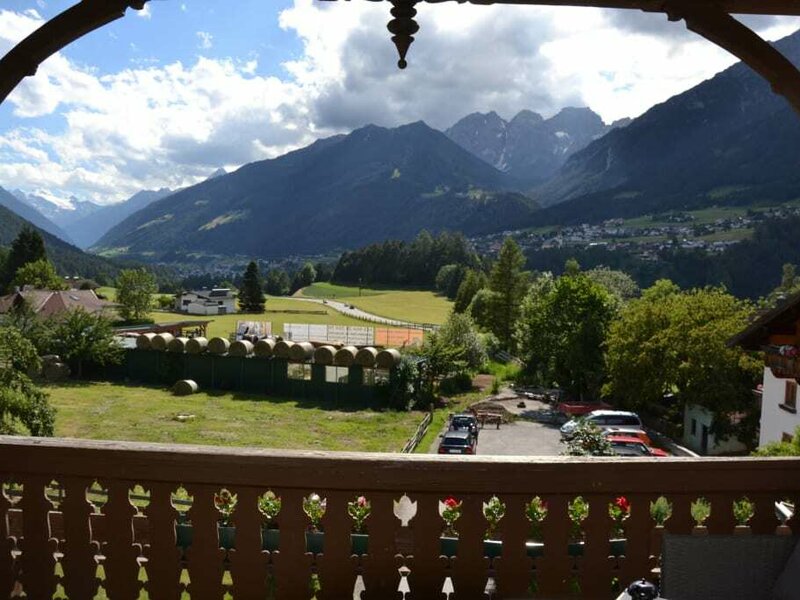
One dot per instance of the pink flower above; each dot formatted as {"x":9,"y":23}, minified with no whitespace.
{"x":623,"y":504}
{"x":361,"y":501}
{"x":451,"y":502}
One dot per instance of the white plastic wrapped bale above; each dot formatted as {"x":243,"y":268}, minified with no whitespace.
{"x":365,"y":357}
{"x":161,"y":341}
{"x":177,"y":345}
{"x":302,"y":351}
{"x":197,"y":345}
{"x":345,"y":356}
{"x":388,"y":358}
{"x":324,"y":355}
{"x":241,"y":348}
{"x":185,"y":387}
{"x":145,"y":341}
{"x":264,"y":348}
{"x":282,"y":349}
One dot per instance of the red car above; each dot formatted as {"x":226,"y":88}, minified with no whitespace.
{"x":625,"y":445}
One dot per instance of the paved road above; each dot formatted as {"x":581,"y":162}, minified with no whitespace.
{"x":357,"y":313}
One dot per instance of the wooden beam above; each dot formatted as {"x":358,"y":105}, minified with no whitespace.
{"x":723,"y":30}
{"x":24,"y":59}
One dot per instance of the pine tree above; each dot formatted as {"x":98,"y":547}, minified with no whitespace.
{"x":508,"y":282}
{"x":251,"y":295}
{"x":28,"y":247}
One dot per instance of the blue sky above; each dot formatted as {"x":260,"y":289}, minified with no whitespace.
{"x":163,"y":97}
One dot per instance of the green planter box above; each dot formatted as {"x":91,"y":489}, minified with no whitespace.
{"x":227,"y":536}
{"x":359,"y":543}
{"x":536,"y":549}
{"x":270,"y":539}
{"x":315,"y":542}
{"x":448,"y":546}
{"x":492,"y":548}
{"x":184,"y":534}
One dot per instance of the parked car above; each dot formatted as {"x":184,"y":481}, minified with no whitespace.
{"x":458,"y":442}
{"x":464,"y":422}
{"x":625,"y":445}
{"x":629,"y":431}
{"x":603,"y":418}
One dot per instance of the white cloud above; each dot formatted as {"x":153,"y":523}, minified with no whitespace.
{"x":206,"y":40}
{"x":156,"y":125}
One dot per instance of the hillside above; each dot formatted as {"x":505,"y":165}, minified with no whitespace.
{"x":30,"y":214}
{"x":68,"y":260}
{"x":339,"y":193}
{"x":91,"y":227}
{"x":729,"y":140}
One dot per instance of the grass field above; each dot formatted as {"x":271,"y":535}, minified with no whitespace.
{"x":408,"y":305}
{"x":223,"y":325}
{"x":147,"y":414}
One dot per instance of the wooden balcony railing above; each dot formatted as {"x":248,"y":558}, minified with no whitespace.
{"x":121,"y":536}
{"x":782,"y":366}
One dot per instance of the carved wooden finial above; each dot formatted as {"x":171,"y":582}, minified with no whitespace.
{"x":403,"y":27}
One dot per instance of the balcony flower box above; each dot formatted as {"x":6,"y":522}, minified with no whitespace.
{"x":448,"y":546}
{"x":270,"y":538}
{"x":359,"y":543}
{"x":492,"y":548}
{"x":184,"y":534}
{"x":315,"y":541}
{"x":227,"y":536}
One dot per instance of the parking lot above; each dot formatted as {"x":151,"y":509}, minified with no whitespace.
{"x":527,"y":436}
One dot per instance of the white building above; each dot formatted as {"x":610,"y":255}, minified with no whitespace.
{"x":219,"y":301}
{"x":777,"y":333}
{"x":697,"y":436}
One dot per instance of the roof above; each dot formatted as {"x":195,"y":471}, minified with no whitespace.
{"x":781,"y":319}
{"x":50,"y":302}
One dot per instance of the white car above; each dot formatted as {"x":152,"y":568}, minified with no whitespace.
{"x":603,"y":418}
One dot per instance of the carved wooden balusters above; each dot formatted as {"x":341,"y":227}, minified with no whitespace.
{"x":79,"y":561}
{"x":37,"y":563}
{"x":163,"y":554}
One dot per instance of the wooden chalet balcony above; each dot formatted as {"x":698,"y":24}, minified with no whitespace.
{"x":129,"y":544}
{"x":782,"y":366}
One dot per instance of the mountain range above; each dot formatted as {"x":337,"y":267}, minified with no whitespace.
{"x":729,"y":140}
{"x":529,"y":147}
{"x":341,"y":192}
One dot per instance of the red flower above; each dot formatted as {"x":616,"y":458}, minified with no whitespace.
{"x":451,"y":502}
{"x":623,"y":504}
{"x":362,"y":501}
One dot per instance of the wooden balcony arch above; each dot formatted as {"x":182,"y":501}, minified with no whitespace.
{"x":709,"y":18}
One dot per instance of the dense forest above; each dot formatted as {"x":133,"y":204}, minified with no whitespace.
{"x":413,"y":264}
{"x":750,"y":269}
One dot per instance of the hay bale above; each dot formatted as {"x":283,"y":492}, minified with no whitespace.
{"x":264,"y":348}
{"x":386,"y":359}
{"x":197,"y":345}
{"x":178,"y":345}
{"x":301,"y":351}
{"x":218,"y":345}
{"x":282,"y":349}
{"x":324,"y":355}
{"x":366,"y":357}
{"x":185,"y":387}
{"x":241,"y":348}
{"x":345,"y":356}
{"x":145,"y":341}
{"x":161,"y":341}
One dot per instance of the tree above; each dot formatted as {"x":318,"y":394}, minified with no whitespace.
{"x":480,"y":308}
{"x":458,"y":332}
{"x":80,"y":337}
{"x":277,"y":283}
{"x":619,"y":283}
{"x":26,"y":248}
{"x":472,"y":282}
{"x":561,"y":332}
{"x":449,"y":279}
{"x":508,"y":282}
{"x":674,"y":342}
{"x":304,"y":277}
{"x":588,"y":440}
{"x":21,"y":402}
{"x":135,"y":289}
{"x":40,"y":274}
{"x":791,"y":448}
{"x":251,"y":296}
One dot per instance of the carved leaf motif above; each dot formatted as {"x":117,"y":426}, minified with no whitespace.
{"x":405,"y":510}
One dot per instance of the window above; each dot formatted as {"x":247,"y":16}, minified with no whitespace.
{"x":694,"y":427}
{"x":299,"y":371}
{"x":336,"y":374}
{"x":790,"y":396}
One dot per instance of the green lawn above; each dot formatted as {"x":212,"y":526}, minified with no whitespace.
{"x":407,"y":305}
{"x":223,"y":325}
{"x":147,"y":414}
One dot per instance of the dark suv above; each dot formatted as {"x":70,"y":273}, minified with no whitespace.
{"x":458,"y":442}
{"x":464,"y":422}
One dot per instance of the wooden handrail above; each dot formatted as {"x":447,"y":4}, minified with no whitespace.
{"x":404,"y":528}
